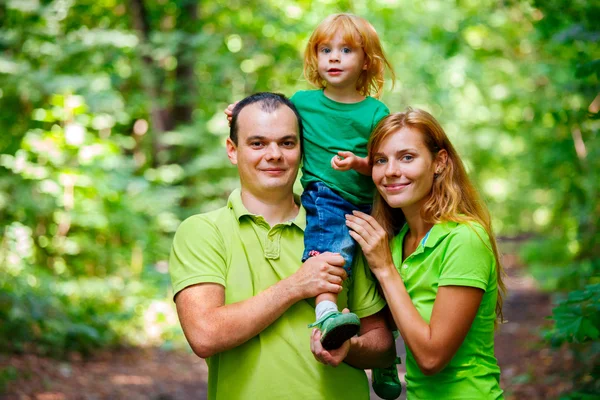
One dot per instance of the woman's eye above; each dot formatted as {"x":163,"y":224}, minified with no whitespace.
{"x":380,"y":161}
{"x":407,"y":157}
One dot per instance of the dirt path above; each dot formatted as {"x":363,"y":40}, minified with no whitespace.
{"x":529,"y":371}
{"x":128,"y":374}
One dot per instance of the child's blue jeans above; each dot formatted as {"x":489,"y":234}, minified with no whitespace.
{"x":326,"y":228}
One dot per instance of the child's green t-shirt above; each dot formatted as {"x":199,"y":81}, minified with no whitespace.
{"x":330,"y":127}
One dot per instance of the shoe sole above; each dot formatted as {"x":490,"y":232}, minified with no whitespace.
{"x":337,"y":336}
{"x":388,"y":395}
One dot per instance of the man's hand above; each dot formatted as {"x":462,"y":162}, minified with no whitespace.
{"x":229,"y":111}
{"x":328,"y":357}
{"x":319,"y":274}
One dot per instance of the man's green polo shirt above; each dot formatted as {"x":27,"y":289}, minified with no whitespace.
{"x":453,"y":255}
{"x":240,"y":251}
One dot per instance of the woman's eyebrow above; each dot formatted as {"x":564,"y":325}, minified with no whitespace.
{"x":400,"y":151}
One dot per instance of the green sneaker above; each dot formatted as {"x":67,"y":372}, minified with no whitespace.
{"x":336,"y":328}
{"x":386,"y":382}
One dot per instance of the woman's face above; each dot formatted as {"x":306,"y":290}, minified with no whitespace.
{"x":403,"y":170}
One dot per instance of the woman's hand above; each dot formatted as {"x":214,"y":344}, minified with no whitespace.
{"x":372,"y":239}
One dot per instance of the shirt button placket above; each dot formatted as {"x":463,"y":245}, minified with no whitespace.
{"x":272,"y":245}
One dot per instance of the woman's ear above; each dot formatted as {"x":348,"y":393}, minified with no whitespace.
{"x":441,"y":160}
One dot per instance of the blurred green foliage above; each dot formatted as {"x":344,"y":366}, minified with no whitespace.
{"x":6,"y":375}
{"x":577,"y":323}
{"x":112,"y":133}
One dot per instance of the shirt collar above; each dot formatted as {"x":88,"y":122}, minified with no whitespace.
{"x":239,"y":209}
{"x":438,"y":232}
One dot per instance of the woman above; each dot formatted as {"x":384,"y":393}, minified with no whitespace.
{"x":440,"y":272}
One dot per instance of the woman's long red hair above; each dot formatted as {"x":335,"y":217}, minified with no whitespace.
{"x":453,"y":197}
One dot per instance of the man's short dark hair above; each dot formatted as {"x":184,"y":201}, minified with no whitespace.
{"x":268,"y":103}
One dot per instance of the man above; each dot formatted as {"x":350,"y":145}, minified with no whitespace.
{"x":243,"y":299}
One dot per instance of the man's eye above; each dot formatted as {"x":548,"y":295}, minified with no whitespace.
{"x":289,"y":144}
{"x":255,"y":144}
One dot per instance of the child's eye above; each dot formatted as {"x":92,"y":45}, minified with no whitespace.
{"x":325,"y":50}
{"x":346,"y":50}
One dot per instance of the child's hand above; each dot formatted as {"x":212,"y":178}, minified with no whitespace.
{"x":229,"y":111}
{"x":344,"y":161}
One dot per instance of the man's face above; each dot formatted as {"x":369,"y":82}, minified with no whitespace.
{"x":268,"y":151}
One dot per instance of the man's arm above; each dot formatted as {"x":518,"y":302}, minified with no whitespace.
{"x":375,"y":346}
{"x":211,"y":326}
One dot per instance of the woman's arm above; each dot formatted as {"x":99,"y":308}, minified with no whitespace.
{"x":433,"y":345}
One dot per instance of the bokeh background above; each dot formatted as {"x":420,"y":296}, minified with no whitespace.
{"x":112,"y":132}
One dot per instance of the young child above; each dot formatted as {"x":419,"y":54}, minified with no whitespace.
{"x":345,"y":60}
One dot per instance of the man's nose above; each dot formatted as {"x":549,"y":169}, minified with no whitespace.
{"x":274,"y":152}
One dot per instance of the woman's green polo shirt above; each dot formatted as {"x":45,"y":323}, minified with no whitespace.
{"x":453,"y":255}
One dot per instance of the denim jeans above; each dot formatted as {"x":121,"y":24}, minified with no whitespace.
{"x":326,"y":228}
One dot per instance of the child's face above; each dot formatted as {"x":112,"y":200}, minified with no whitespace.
{"x":340,"y":63}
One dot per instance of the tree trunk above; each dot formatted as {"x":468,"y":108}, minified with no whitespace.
{"x":161,"y":118}
{"x":185,"y":85}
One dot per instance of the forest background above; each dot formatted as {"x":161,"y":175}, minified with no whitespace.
{"x":112,"y":132}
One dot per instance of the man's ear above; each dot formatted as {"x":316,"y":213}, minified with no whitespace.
{"x":231,"y":151}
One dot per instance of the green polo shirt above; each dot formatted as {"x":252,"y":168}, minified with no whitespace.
{"x":330,"y":127}
{"x":453,"y":255}
{"x":240,"y":251}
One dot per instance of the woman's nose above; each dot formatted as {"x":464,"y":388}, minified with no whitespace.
{"x":393,"y":169}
